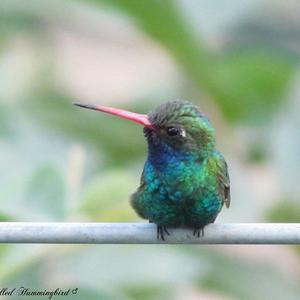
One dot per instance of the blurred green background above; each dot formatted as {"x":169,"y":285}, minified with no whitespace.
{"x":238,"y":60}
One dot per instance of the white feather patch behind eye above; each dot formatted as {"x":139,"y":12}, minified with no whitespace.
{"x":183,"y":133}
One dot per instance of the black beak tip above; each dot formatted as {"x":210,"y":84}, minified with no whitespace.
{"x":78,"y":104}
{"x":88,"y":106}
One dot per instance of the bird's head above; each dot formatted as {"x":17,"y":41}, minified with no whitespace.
{"x":182,"y":126}
{"x":178,"y":124}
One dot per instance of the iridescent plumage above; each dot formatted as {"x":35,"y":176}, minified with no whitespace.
{"x":185,"y":180}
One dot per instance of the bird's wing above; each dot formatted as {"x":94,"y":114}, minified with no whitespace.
{"x":221,"y":169}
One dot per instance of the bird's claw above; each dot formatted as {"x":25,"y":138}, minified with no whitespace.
{"x":199,"y":231}
{"x":161,"y":230}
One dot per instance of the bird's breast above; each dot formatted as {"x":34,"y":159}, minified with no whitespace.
{"x":176,"y":182}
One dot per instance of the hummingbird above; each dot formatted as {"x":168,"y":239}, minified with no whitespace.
{"x":185,"y":181}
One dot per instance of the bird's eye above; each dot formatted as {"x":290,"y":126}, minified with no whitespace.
{"x":172,"y":131}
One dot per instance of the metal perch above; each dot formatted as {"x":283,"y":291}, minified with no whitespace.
{"x":142,"y":233}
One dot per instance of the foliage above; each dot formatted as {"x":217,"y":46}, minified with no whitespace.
{"x":248,"y":84}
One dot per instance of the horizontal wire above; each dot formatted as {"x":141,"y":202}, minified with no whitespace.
{"x":144,"y":233}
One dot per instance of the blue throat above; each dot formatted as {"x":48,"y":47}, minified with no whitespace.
{"x":165,"y":158}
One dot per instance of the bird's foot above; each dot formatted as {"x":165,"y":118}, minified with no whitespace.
{"x":161,"y":230}
{"x":199,"y":231}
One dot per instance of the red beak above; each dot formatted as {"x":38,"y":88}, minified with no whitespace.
{"x":137,"y":118}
